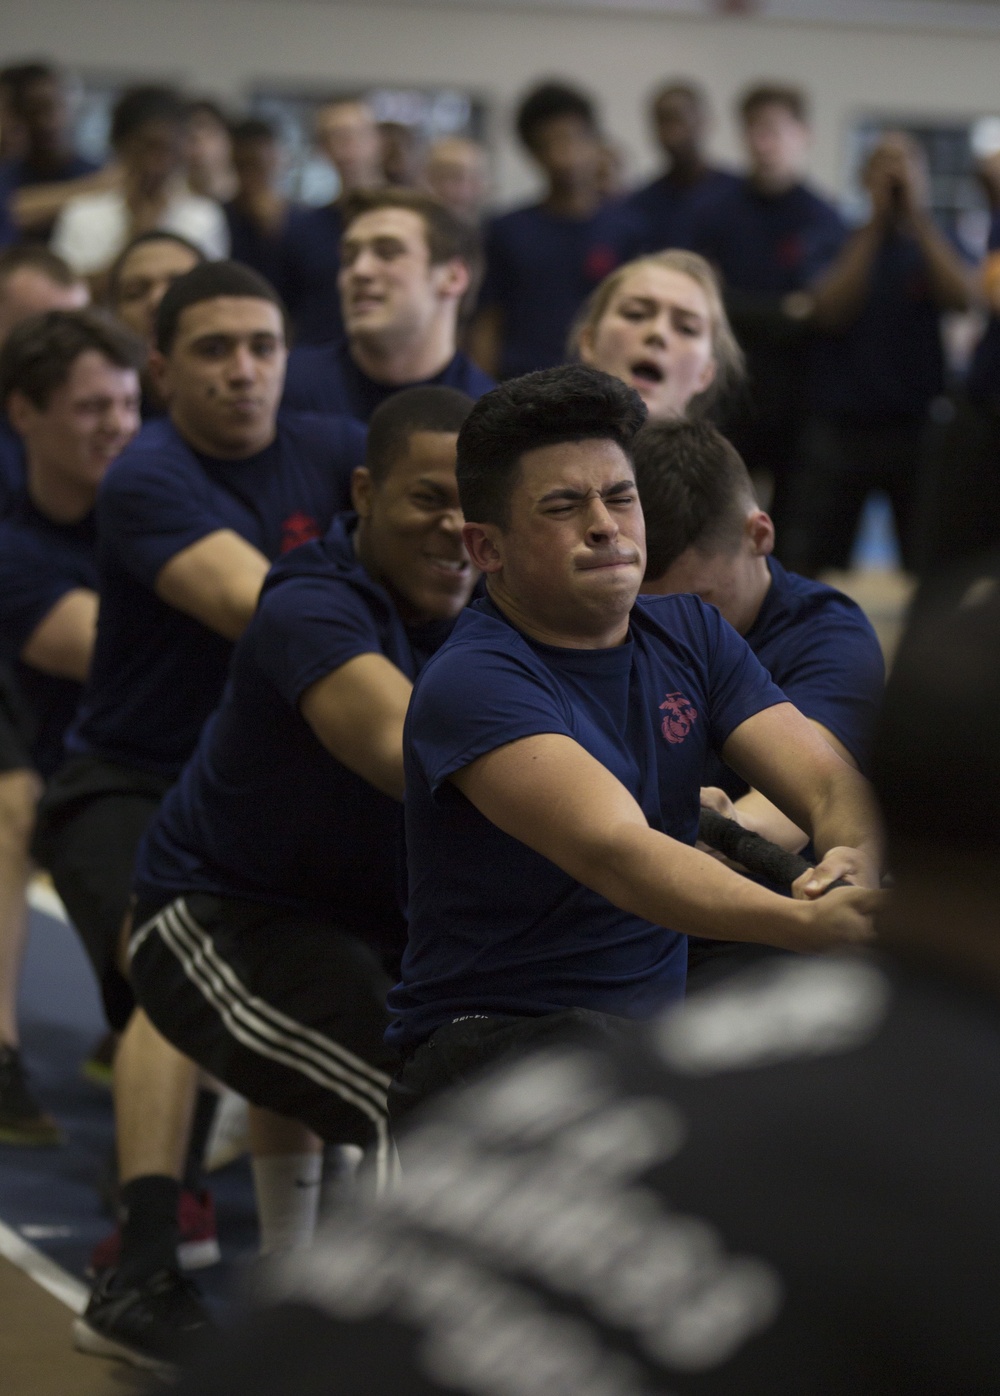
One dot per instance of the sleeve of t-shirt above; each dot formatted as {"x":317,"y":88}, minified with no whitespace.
{"x":152,"y":507}
{"x":306,"y":628}
{"x":469,"y":702}
{"x":29,"y":588}
{"x":837,"y":676}
{"x":739,"y":686}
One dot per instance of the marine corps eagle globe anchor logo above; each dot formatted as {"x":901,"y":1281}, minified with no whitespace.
{"x":679,"y":717}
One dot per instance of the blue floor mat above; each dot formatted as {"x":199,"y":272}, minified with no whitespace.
{"x":51,"y":1197}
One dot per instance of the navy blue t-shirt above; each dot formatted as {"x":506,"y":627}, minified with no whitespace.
{"x":671,"y":210}
{"x":158,"y":673}
{"x":766,"y":246}
{"x":314,"y":255}
{"x":324,"y":378}
{"x":40,"y":561}
{"x":540,"y":268}
{"x":11,"y":463}
{"x":888,"y":363}
{"x":983,"y":380}
{"x":769,"y":244}
{"x":494,"y":926}
{"x":262,"y":811}
{"x":820,"y":649}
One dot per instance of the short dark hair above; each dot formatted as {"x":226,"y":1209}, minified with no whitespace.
{"x":205,"y":283}
{"x":694,"y":490}
{"x":774,"y":94}
{"x":24,"y":75}
{"x":682,"y":87}
{"x":153,"y":235}
{"x":570,"y":403}
{"x":139,"y":105}
{"x":38,"y":354}
{"x":448,"y":235}
{"x":253,"y":128}
{"x":206,"y":106}
{"x":547,"y":102}
{"x":429,"y":408}
{"x":936,"y":754}
{"x":38,"y":258}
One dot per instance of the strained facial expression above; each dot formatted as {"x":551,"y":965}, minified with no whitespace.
{"x":144,"y":279}
{"x":656,"y":336}
{"x":88,"y":420}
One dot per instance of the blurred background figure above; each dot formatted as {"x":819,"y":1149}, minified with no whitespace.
{"x":48,"y":171}
{"x":672,"y":203}
{"x":347,"y":134}
{"x":286,"y":242}
{"x":147,"y":135}
{"x":32,"y":280}
{"x":612,"y":171}
{"x":771,"y":237}
{"x":13,"y":140}
{"x":457,"y":173}
{"x":137,"y":282}
{"x":208,"y":151}
{"x":543,"y":260}
{"x":404,"y":151}
{"x":879,"y":366}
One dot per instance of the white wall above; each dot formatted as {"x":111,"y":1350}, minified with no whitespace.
{"x":222,"y":45}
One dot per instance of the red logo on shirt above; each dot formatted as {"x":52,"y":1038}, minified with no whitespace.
{"x":296,"y":530}
{"x":679,"y":719}
{"x":601,"y":260}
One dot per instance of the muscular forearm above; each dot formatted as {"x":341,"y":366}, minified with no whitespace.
{"x":758,"y":814}
{"x":845,"y":816}
{"x":670,"y":884}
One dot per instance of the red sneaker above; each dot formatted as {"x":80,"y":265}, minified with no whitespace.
{"x":199,"y":1244}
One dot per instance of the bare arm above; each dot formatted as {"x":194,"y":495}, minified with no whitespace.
{"x":63,"y":642}
{"x":839,"y":298}
{"x":780,"y":753}
{"x":951,"y":281}
{"x":755,"y":812}
{"x":357,"y":713}
{"x":36,"y":205}
{"x":552,"y":795}
{"x":216,"y":580}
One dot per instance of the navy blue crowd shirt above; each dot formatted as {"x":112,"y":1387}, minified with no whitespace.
{"x":11,"y":463}
{"x":765,"y":247}
{"x":494,"y":926}
{"x":671,"y":209}
{"x":325,"y":378}
{"x":820,"y":649}
{"x":301,"y":261}
{"x":888,"y":364}
{"x":263,"y":812}
{"x":157,"y":672}
{"x":21,"y":174}
{"x":983,"y":381}
{"x":40,"y":562}
{"x":541,"y":267}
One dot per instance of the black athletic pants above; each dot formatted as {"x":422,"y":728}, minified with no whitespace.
{"x":457,"y":1052}
{"x":840,"y":464}
{"x":90,"y":821}
{"x":288,"y":1011}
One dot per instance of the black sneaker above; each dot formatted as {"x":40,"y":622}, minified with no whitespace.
{"x":155,"y":1325}
{"x":22,"y":1119}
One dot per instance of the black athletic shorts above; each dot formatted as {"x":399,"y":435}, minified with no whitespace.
{"x":15,"y":727}
{"x":90,"y":821}
{"x":290,"y":1012}
{"x":459,"y":1051}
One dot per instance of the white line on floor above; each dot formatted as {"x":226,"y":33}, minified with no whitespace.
{"x":44,"y":898}
{"x":45,"y":1272}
